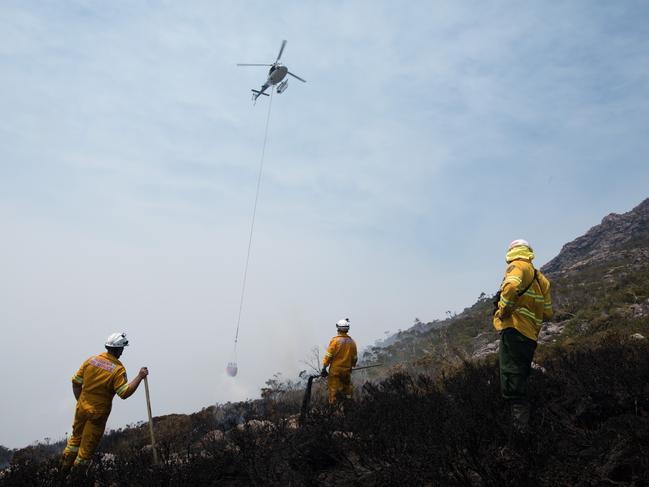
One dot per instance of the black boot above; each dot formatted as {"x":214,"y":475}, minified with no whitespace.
{"x":520,"y":415}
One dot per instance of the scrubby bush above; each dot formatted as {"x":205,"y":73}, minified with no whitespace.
{"x":5,"y":456}
{"x":590,"y":426}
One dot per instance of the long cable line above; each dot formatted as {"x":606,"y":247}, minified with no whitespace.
{"x":252,"y":223}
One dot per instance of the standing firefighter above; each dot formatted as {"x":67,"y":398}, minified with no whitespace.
{"x":96,"y":382}
{"x":342,"y":356}
{"x":524,"y":302}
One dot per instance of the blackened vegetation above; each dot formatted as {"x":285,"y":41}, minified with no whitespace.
{"x":5,"y":456}
{"x":590,"y":426}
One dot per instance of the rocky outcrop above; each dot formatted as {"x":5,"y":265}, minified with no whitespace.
{"x":486,"y":349}
{"x":550,"y":332}
{"x":615,"y":237}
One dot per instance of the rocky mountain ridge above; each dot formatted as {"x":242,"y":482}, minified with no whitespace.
{"x":616,"y":236}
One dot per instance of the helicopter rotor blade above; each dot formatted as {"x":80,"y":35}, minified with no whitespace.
{"x":241,"y":64}
{"x":281,"y":50}
{"x":295,"y":76}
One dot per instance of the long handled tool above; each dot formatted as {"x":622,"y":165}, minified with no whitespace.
{"x":366,"y":367}
{"x":148,"y":408}
{"x":306,"y":400}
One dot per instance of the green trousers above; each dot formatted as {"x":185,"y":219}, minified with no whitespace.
{"x":516,"y":353}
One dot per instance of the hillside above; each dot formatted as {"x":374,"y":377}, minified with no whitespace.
{"x":600,"y":283}
{"x":434,"y":415}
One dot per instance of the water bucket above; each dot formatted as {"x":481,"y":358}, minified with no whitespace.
{"x":232,"y":369}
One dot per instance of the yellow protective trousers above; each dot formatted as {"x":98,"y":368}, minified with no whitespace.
{"x":339,"y":383}
{"x":87,"y":430}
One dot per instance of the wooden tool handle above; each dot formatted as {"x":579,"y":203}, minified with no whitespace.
{"x":148,"y":408}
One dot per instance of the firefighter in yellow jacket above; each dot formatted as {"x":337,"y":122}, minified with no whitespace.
{"x":340,"y":357}
{"x":96,"y":382}
{"x":523,"y":305}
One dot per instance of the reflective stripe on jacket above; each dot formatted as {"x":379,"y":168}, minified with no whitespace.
{"x":101,"y":377}
{"x":341,"y":353}
{"x":525,"y":313}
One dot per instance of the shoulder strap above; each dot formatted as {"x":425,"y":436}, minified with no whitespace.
{"x":520,"y":293}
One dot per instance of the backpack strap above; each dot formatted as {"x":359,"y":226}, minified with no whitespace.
{"x":496,"y":299}
{"x":535,"y":278}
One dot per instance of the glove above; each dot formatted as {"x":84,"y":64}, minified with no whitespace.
{"x":324,"y":372}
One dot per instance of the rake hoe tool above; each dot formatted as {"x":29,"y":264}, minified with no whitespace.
{"x":306,"y":400}
{"x":148,"y":408}
{"x":366,"y":367}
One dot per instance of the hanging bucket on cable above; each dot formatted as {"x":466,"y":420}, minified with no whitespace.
{"x":232,"y":369}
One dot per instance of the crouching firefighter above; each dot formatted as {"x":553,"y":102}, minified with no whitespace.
{"x":522,"y":303}
{"x":96,"y":382}
{"x":340,"y":357}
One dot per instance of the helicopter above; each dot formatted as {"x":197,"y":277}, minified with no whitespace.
{"x":276,"y":74}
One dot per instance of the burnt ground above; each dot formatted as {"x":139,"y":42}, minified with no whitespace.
{"x":590,"y":426}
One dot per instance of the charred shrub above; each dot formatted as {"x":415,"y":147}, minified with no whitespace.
{"x":589,"y":426}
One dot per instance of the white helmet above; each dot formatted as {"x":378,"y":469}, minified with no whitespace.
{"x":518,"y":243}
{"x":117,"y":340}
{"x":343,"y":325}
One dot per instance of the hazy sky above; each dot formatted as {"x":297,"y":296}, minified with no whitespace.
{"x":428,"y":136}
